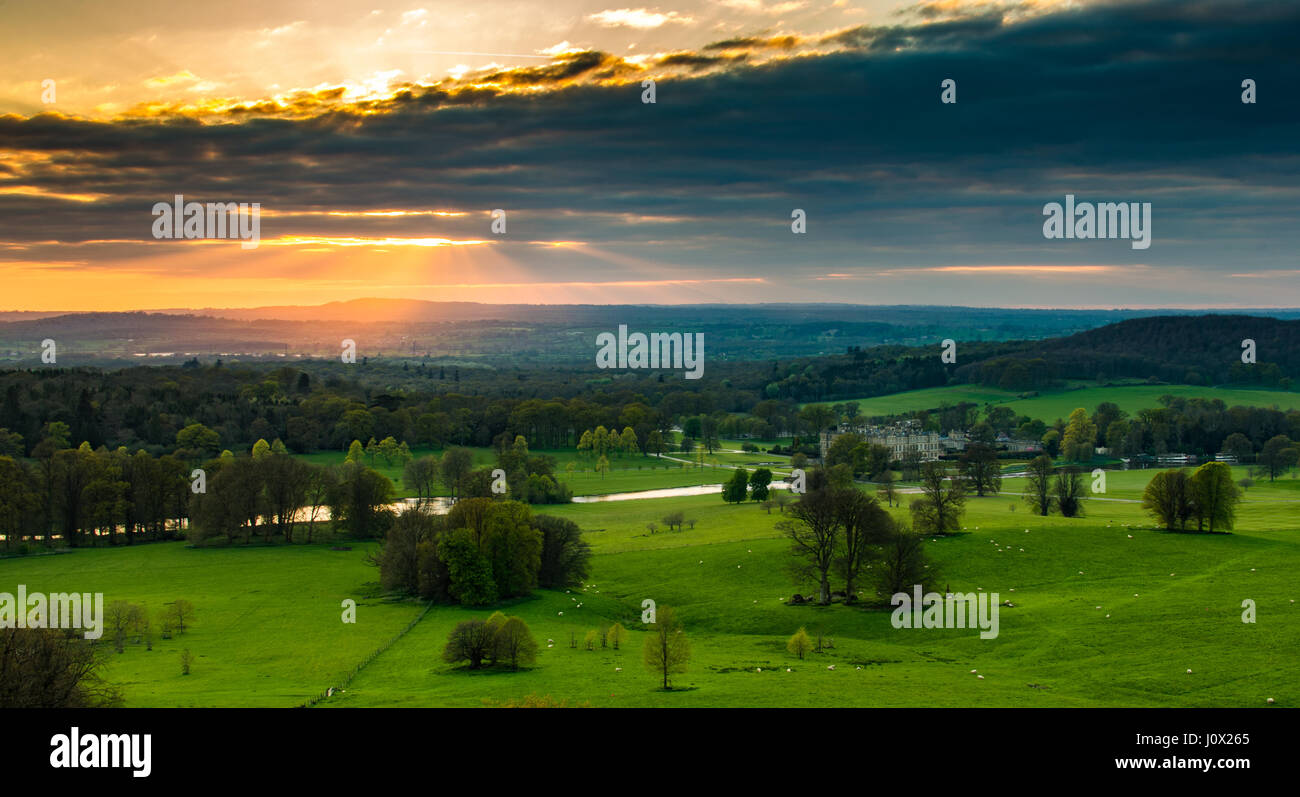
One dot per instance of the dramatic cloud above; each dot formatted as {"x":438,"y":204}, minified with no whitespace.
{"x":907,"y":199}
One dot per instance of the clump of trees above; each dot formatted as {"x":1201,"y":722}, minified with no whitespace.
{"x":1048,"y":488}
{"x":480,"y":552}
{"x":497,"y":640}
{"x":1208,"y":496}
{"x":736,"y":489}
{"x":841,"y":531}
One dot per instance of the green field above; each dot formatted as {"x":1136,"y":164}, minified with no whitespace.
{"x":1059,"y":404}
{"x":626,"y":473}
{"x":268,"y":629}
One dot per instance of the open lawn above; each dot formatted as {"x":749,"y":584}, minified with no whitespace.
{"x":268,"y":633}
{"x":626,"y":473}
{"x":1059,"y":404}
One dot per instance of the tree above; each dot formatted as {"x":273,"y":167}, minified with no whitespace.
{"x":514,"y":643}
{"x":178,"y":611}
{"x":813,"y":527}
{"x":938,"y":510}
{"x":817,"y":417}
{"x":800,"y":643}
{"x":911,"y":464}
{"x":1069,"y":492}
{"x":1038,"y":484}
{"x":470,"y":640}
{"x":617,"y":635}
{"x":1168,"y":498}
{"x":1238,"y":446}
{"x":655,"y":443}
{"x":321,"y":482}
{"x":863,"y":525}
{"x":902,"y":564}
{"x":1051,"y":442}
{"x":627,"y":442}
{"x":1277,"y":455}
{"x":359,"y":502}
{"x":420,"y":475}
{"x":46,"y":668}
{"x":888,"y":480}
{"x":121,"y":619}
{"x":389,"y":450}
{"x":736,"y":488}
{"x":287,"y":480}
{"x":565,"y":555}
{"x":666,"y":651}
{"x":195,"y":441}
{"x":355,"y":452}
{"x":758,"y":483}
{"x":1080,"y":437}
{"x":456,"y":465}
{"x":980,"y":468}
{"x":469,"y":569}
{"x":1215,"y":496}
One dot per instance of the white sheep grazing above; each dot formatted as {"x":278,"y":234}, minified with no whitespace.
{"x":1189,"y":672}
{"x":1270,"y":700}
{"x":980,"y":677}
{"x":618,"y":669}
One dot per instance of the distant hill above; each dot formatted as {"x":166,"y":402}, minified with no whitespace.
{"x":1116,"y":342}
{"x":1201,"y":349}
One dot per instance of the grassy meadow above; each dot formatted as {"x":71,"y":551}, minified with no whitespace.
{"x":1048,"y":406}
{"x":268,"y":632}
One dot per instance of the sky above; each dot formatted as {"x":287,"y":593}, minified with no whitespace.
{"x":378,"y":140}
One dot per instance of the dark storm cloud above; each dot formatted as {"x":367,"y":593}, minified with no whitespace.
{"x":1134,"y":102}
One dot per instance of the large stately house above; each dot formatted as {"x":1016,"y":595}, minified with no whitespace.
{"x":899,"y":438}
